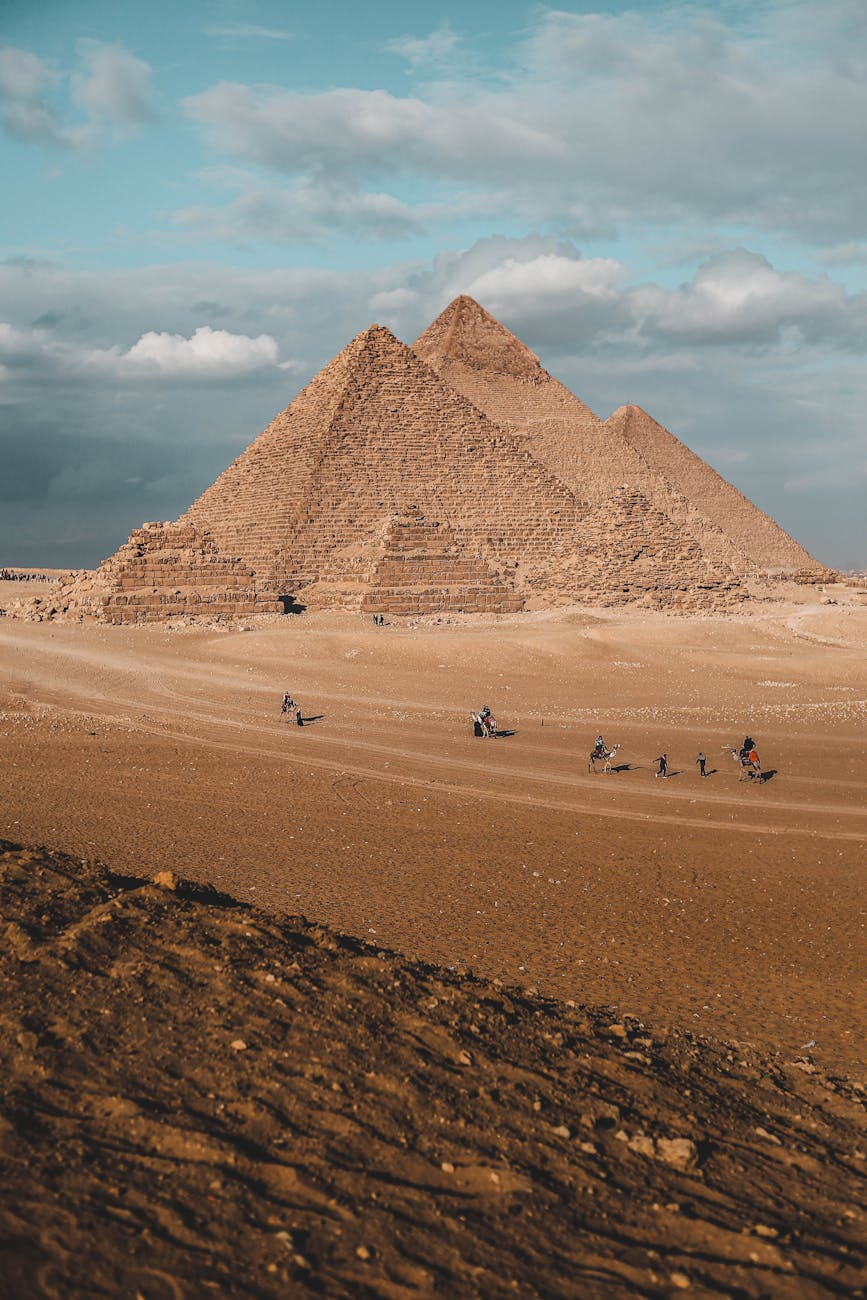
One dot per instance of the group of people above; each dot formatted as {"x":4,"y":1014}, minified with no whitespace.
{"x":288,"y":706}
{"x":379,"y":620}
{"x":747,"y":754}
{"x":12,"y":575}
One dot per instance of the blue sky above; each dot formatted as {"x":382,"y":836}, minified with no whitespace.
{"x":203,"y":202}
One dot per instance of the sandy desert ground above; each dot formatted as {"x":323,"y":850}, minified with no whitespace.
{"x":199,"y":1098}
{"x":731,"y":909}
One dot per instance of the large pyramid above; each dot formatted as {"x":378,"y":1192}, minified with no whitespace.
{"x":453,"y":476}
{"x":479,"y":357}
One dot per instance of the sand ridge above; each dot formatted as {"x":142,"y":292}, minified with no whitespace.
{"x":198,"y":1097}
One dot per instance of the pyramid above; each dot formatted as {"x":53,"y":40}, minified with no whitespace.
{"x":763,"y":543}
{"x":385,"y":488}
{"x":164,"y":570}
{"x":479,"y":357}
{"x":374,"y":434}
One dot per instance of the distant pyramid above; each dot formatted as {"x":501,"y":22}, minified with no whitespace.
{"x":758,"y":537}
{"x":383,"y":488}
{"x":479,"y":357}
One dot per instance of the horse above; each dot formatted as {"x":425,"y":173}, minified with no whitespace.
{"x":603,"y":756}
{"x":751,"y":768}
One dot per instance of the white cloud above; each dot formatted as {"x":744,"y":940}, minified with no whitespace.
{"x":113,"y":85}
{"x":548,"y":278}
{"x":236,"y":31}
{"x":207,"y":354}
{"x":740,"y":297}
{"x":663,"y":116}
{"x":436,"y":50}
{"x":306,"y":212}
{"x":24,"y":111}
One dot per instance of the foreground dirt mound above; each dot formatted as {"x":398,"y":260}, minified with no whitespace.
{"x":200,"y":1098}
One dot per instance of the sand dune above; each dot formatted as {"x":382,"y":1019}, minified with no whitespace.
{"x":199,"y":1098}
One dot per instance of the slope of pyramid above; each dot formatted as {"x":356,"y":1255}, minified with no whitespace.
{"x":757,"y":536}
{"x":479,"y":357}
{"x":635,"y":554}
{"x":375,"y":433}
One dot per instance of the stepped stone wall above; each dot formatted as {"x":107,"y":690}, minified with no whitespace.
{"x":425,"y":568}
{"x":165,"y":570}
{"x":635,"y":553}
{"x":377,"y":432}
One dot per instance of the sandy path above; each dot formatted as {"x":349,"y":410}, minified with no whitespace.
{"x":727,"y":906}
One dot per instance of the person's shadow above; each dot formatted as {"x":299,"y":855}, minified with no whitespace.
{"x":767,"y":776}
{"x":505,"y":733}
{"x":314,"y":717}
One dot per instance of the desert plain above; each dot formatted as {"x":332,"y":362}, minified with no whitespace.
{"x":543,"y":1031}
{"x":726,"y":906}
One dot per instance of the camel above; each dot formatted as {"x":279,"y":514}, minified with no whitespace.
{"x":603,"y":756}
{"x":751,"y":767}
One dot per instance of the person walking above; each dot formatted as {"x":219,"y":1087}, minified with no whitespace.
{"x":662,"y":760}
{"x":702,"y":764}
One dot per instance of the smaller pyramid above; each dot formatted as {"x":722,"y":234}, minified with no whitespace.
{"x":758,"y":538}
{"x":166,"y":570}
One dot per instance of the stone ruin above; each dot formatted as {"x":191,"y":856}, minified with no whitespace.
{"x":165,"y":570}
{"x":454,"y":476}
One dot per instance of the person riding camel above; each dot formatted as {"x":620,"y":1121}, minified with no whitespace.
{"x":600,"y":746}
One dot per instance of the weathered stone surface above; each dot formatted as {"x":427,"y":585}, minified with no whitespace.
{"x":457,"y":476}
{"x":163,"y":571}
{"x":479,"y":357}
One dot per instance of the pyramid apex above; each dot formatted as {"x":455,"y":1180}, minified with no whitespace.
{"x":466,"y":333}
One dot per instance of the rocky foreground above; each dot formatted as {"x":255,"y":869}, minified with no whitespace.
{"x":199,"y":1098}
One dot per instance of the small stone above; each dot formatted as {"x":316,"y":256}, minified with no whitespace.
{"x":166,"y":880}
{"x":768,"y":1137}
{"x":362,"y":1252}
{"x":238,"y":1045}
{"x":588,"y":1148}
{"x":762,"y":1230}
{"x":464,"y":1058}
{"x":561,"y":1131}
{"x":617,"y":1031}
{"x":681,"y":1281}
{"x":680,"y":1153}
{"x":642,"y":1145}
{"x":447,"y":1167}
